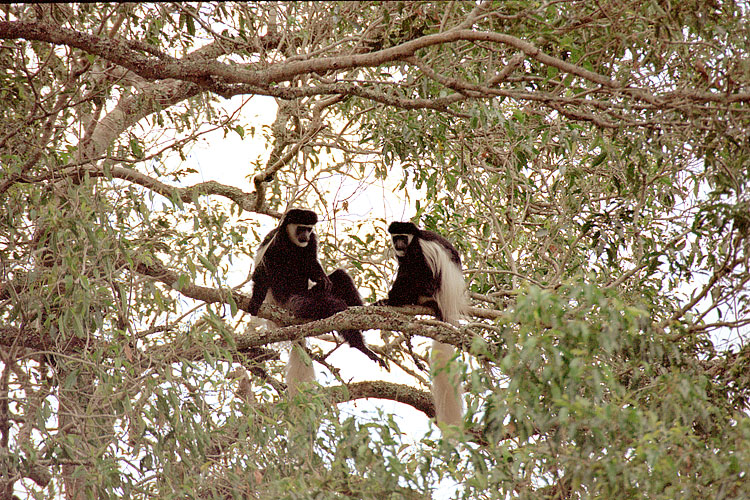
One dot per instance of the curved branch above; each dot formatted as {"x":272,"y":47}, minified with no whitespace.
{"x":206,"y":73}
{"x":420,"y":400}
{"x":213,"y":75}
{"x":150,"y":98}
{"x":246,"y":201}
{"x":188,"y":194}
{"x":130,"y":109}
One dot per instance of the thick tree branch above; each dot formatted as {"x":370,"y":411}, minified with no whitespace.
{"x":363,"y":318}
{"x":149,"y":98}
{"x":217,"y":76}
{"x":130,"y":109}
{"x":420,"y":400}
{"x":358,"y":318}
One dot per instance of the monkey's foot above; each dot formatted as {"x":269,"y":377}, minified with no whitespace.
{"x":354,"y":339}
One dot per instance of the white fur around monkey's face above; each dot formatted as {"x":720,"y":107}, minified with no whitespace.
{"x":401,"y":242}
{"x":300,"y":234}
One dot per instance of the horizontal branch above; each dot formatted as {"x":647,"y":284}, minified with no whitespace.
{"x":31,"y":338}
{"x":417,"y":399}
{"x":219,"y":77}
{"x":121,"y":53}
{"x":360,"y":318}
{"x":357,"y":318}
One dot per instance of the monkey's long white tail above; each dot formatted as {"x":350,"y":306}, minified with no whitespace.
{"x":299,"y":369}
{"x":451,"y":294}
{"x":451,"y":299}
{"x":446,"y":384}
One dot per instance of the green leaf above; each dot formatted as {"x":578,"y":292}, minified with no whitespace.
{"x":190,"y":24}
{"x":599,"y":159}
{"x":207,"y":263}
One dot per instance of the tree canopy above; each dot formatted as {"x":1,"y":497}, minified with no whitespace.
{"x":588,"y":159}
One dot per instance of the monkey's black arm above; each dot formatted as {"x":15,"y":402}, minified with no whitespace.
{"x":317,"y":274}
{"x":402,"y":293}
{"x":260,"y":288}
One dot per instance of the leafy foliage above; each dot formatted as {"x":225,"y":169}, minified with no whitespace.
{"x":589,"y":160}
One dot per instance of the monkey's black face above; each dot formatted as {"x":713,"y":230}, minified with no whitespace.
{"x":401,"y":243}
{"x":300,"y":234}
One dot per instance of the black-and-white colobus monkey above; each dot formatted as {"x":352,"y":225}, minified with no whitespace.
{"x":285,"y":265}
{"x":429,"y":273}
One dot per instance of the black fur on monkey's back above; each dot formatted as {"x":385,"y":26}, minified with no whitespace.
{"x":285,"y":270}
{"x":429,"y":269}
